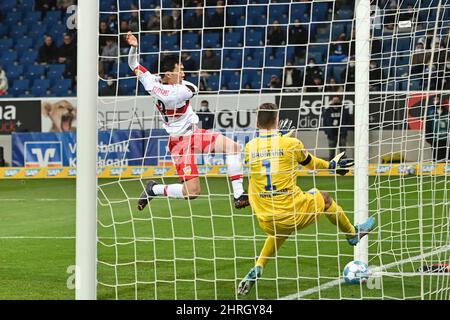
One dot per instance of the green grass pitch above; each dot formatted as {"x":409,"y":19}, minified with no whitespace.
{"x":201,"y":249}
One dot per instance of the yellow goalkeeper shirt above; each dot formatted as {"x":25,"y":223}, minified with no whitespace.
{"x":273,"y":161}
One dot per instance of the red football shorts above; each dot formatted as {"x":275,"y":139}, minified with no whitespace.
{"x":185,"y":148}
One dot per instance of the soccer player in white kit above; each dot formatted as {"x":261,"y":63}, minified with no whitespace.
{"x":171,"y":95}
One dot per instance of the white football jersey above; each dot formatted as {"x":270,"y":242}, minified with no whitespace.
{"x":171,"y":100}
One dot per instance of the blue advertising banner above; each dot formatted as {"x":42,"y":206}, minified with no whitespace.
{"x":119,"y":148}
{"x":54,"y":149}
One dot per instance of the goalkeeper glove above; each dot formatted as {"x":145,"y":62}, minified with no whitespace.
{"x":286,"y":128}
{"x":341,"y":165}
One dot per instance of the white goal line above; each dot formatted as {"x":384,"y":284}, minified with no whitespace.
{"x":375,"y":270}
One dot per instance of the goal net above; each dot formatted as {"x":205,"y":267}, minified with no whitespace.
{"x":301,"y":56}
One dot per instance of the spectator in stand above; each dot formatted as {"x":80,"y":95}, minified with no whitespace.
{"x":3,"y":82}
{"x":312,"y":71}
{"x":154,"y":23}
{"x":339,"y":49}
{"x":348,"y":75}
{"x":292,"y":77}
{"x":298,"y":33}
{"x":210,"y":61}
{"x":124,"y":28}
{"x":375,"y":76}
{"x":333,"y":86}
{"x":172,"y":21}
{"x":112,"y":23}
{"x":418,"y":59}
{"x":316,"y":85}
{"x":111,"y":88}
{"x":188,"y":62}
{"x":196,"y":22}
{"x":64,"y":4}
{"x":110,"y":54}
{"x":134,"y":20}
{"x":104,"y":33}
{"x":205,"y":116}
{"x":275,"y":35}
{"x":437,"y":130}
{"x":48,"y":52}
{"x":428,"y":39}
{"x":274,"y":83}
{"x":336,"y":120}
{"x":218,"y":18}
{"x":45,"y":5}
{"x":67,"y":54}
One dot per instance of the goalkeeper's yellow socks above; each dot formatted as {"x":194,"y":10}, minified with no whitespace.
{"x":338,"y":217}
{"x":271,"y":246}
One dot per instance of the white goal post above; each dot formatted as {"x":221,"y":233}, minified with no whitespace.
{"x":86,"y":189}
{"x":201,"y":249}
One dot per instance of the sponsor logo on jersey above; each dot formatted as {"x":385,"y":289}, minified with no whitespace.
{"x":160,"y":171}
{"x":31,"y":172}
{"x":11,"y":172}
{"x":138,"y":171}
{"x":187,"y":170}
{"x":383,"y":169}
{"x":117,"y":171}
{"x":43,"y":154}
{"x":54,"y":172}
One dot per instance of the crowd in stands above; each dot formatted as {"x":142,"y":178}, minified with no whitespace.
{"x":228,"y":45}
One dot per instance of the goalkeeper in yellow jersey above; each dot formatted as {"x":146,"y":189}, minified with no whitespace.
{"x":281,"y":207}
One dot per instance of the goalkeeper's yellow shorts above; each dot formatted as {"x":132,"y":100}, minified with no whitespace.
{"x":311,"y":206}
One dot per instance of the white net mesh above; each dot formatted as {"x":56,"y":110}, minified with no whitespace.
{"x":299,"y":55}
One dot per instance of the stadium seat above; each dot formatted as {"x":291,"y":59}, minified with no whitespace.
{"x":13,"y":17}
{"x":18,"y":31}
{"x":268,"y":73}
{"x":279,"y":12}
{"x":191,"y":40}
{"x":337,"y":28}
{"x":234,"y":38}
{"x":9,"y":57}
{"x":23,"y":44}
{"x":256,"y":15}
{"x":232,"y":58}
{"x":212,"y":40}
{"x":149,"y":43}
{"x":35,"y":71}
{"x":170,"y":42}
{"x":55,"y":71}
{"x":255,"y":37}
{"x":14,"y":72}
{"x":320,"y":11}
{"x":109,"y":5}
{"x":6,"y":44}
{"x":128,"y":86}
{"x":20,"y":87}
{"x":37,"y":33}
{"x":213,"y":82}
{"x":57,"y":31}
{"x":300,"y":11}
{"x":7,"y":5}
{"x":52,"y":18}
{"x":61,"y":87}
{"x":40,"y":87}
{"x":28,"y":57}
{"x":235,"y":16}
{"x":27,"y":5}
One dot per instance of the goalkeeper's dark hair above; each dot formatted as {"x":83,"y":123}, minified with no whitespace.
{"x":267,"y":115}
{"x":168,"y":63}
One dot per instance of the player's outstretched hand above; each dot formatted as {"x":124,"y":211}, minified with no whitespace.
{"x":341,"y":165}
{"x":131,"y":39}
{"x":285,"y":127}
